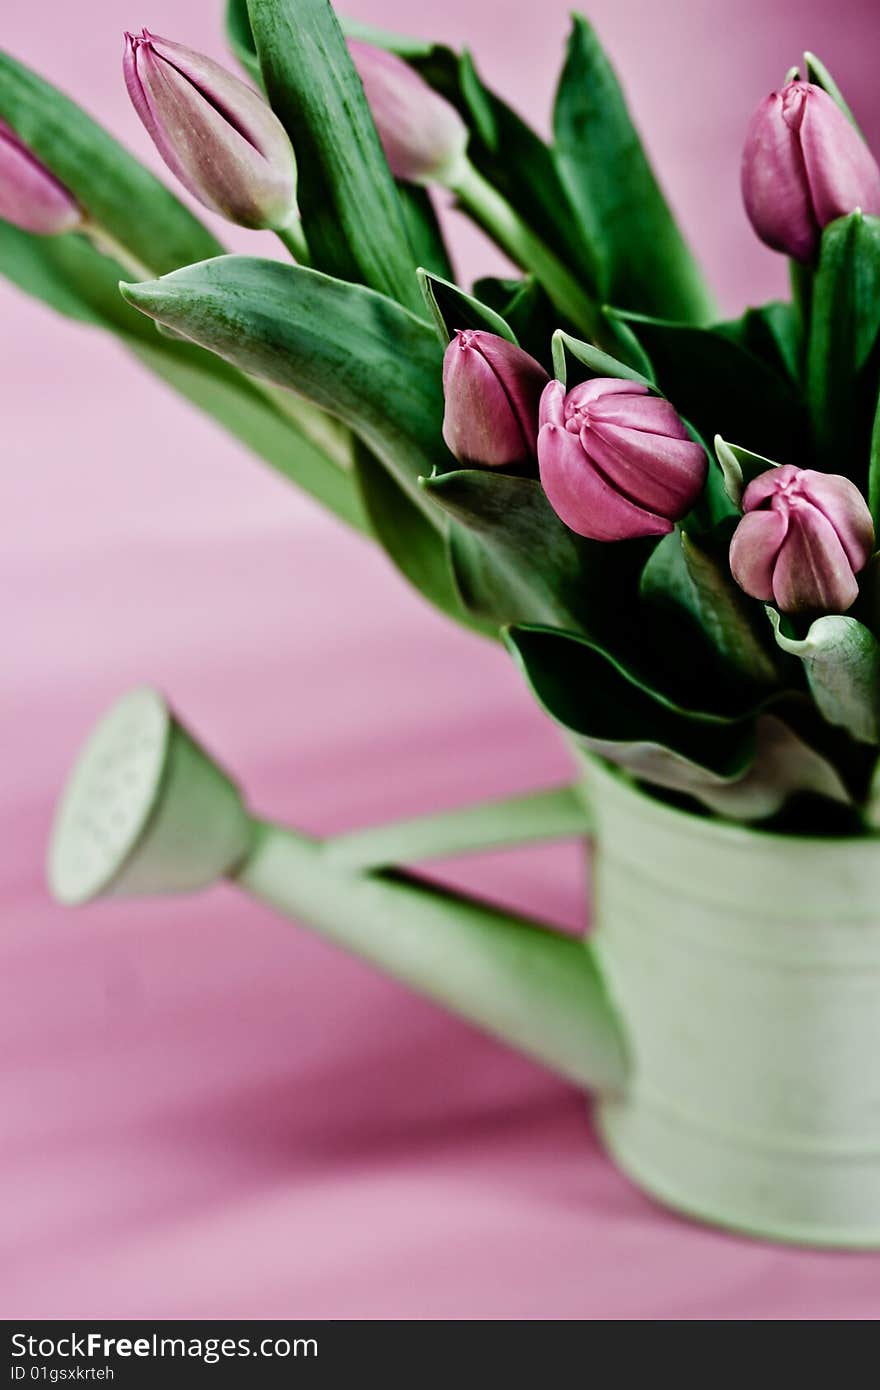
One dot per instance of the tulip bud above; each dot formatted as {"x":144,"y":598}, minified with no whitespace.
{"x":804,"y":164}
{"x":803,"y":538}
{"x":492,"y":391}
{"x":215,"y":134}
{"x":423,"y":136}
{"x":31,"y":197}
{"x":615,"y":460}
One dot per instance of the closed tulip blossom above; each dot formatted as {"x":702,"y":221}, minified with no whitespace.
{"x":804,"y":164}
{"x":492,"y":390}
{"x":803,"y":539}
{"x":423,"y":136}
{"x":31,"y":197}
{"x":215,"y":134}
{"x":615,"y":460}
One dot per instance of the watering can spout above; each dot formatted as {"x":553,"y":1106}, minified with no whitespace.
{"x":146,"y":810}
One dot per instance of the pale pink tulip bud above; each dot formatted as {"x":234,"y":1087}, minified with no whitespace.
{"x":31,"y":197}
{"x":492,"y":391}
{"x":423,"y":136}
{"x":215,"y":134}
{"x":615,"y":460}
{"x":803,"y":538}
{"x":804,"y":164}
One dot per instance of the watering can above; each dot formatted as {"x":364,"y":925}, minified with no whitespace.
{"x":724,"y":1015}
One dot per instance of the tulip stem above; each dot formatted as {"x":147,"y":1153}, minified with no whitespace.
{"x":294,"y":238}
{"x":485,"y":204}
{"x":109,"y":246}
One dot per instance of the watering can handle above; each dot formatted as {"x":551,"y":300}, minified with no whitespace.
{"x":555,"y":814}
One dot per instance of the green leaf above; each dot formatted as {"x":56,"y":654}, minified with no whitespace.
{"x":744,"y":768}
{"x":842,"y":663}
{"x":118,"y":195}
{"x":452,"y":308}
{"x":874,"y":470}
{"x":351,"y":212}
{"x":350,"y":351}
{"x":844,"y":324}
{"x":240,"y":37}
{"x":72,"y":277}
{"x":695,"y":574}
{"x":425,"y":234}
{"x":417,"y":547}
{"x":739,"y":467}
{"x":774,"y":333}
{"x":597,"y":362}
{"x":818,"y":74}
{"x":643,"y":260}
{"x":722,"y":388}
{"x":516,"y":562}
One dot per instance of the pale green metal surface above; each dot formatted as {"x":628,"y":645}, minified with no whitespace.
{"x":545,"y":815}
{"x":746,"y":967}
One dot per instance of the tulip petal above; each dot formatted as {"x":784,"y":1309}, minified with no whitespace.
{"x":644,"y":411}
{"x":520,"y":376}
{"x":812,"y":573}
{"x":769,"y":484}
{"x":31,"y":197}
{"x":661,"y":474}
{"x":774,"y":186}
{"x":422,"y":134}
{"x":551,"y":409}
{"x":582,"y":498}
{"x":599,"y":386}
{"x":479,"y":424}
{"x":844,"y":506}
{"x":207,"y":151}
{"x":841,"y":171}
{"x":753,"y":550}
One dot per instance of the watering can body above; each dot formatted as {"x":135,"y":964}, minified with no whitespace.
{"x":724,"y":1013}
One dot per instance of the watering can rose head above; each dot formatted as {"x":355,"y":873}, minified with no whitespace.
{"x":423,"y":136}
{"x":30,"y":197}
{"x":803,"y":539}
{"x":615,"y":460}
{"x":804,"y":165}
{"x":492,"y":390}
{"x":215,"y":134}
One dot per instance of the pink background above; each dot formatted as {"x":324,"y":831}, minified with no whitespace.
{"x":208,"y":1112}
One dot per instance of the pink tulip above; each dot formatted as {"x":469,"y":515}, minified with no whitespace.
{"x":215,"y":134}
{"x":31,"y":197}
{"x":804,"y":164}
{"x":492,"y":391}
{"x":802,"y":540}
{"x":423,"y":136}
{"x":615,"y":460}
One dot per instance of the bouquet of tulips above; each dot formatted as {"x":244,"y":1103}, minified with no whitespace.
{"x":668,"y":519}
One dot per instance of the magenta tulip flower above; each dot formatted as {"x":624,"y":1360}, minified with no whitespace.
{"x":615,"y":460}
{"x":423,"y":136}
{"x":492,"y":391}
{"x":804,"y":164}
{"x":215,"y":134}
{"x":803,"y":539}
{"x":31,"y":197}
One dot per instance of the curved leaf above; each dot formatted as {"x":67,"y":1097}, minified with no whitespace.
{"x":419,"y":550}
{"x":722,"y":388}
{"x":352,"y":352}
{"x":452,"y":308}
{"x":744,"y":768}
{"x":842,"y":663}
{"x":642,"y":257}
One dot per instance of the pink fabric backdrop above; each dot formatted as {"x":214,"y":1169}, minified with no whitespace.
{"x":206,"y":1111}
